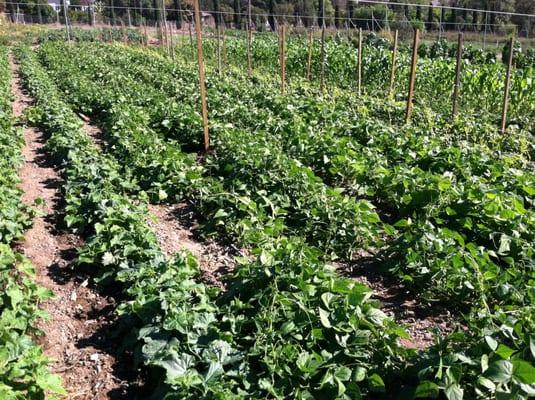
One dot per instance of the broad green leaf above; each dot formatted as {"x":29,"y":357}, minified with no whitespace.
{"x":51,"y":382}
{"x":454,"y":392}
{"x":487,"y":383}
{"x":493,"y":344}
{"x":504,"y":351}
{"x":500,"y":371}
{"x":427,"y":389}
{"x":376,"y":384}
{"x":324,"y":318}
{"x":524,"y":371}
{"x":360,"y":374}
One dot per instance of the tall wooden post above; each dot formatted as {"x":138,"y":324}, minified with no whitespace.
{"x":359,"y":64}
{"x":123,"y":31}
{"x":172,"y":44}
{"x":65,"y":15}
{"x":145,"y":34}
{"x":166,"y":28}
{"x":413,"y":75}
{"x":200,"y":59}
{"x":507,"y":84}
{"x":249,"y":56}
{"x":283,"y":56}
{"x":218,"y":49}
{"x":457,"y":85}
{"x":322,"y":70}
{"x":310,"y":47}
{"x":224,"y":44}
{"x":393,"y":68}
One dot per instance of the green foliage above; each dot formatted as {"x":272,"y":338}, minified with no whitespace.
{"x":445,"y":206}
{"x":14,"y":217}
{"x":202,"y":341}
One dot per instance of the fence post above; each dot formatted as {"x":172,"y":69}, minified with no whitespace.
{"x":413,"y":75}
{"x":322,"y":70}
{"x":507,"y":84}
{"x":165,"y":28}
{"x":359,"y":64}
{"x":457,"y":85}
{"x":123,"y":31}
{"x":282,"y":54}
{"x":223,"y":42}
{"x":200,"y":60}
{"x":309,"y":61}
{"x":218,"y":49}
{"x":249,"y":56}
{"x":393,"y":68}
{"x":65,"y":5}
{"x":172,"y":45}
{"x":146,"y":35}
{"x":39,"y":15}
{"x":114,"y":18}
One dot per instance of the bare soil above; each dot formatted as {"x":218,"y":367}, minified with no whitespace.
{"x":76,"y":335}
{"x":175,"y":226}
{"x":93,"y":131}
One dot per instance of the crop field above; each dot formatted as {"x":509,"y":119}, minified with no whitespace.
{"x":324,"y":247}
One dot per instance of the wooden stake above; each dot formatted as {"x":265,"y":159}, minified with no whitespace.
{"x":249,"y":56}
{"x":172,"y":42}
{"x":165,"y":28}
{"x":283,"y":57}
{"x":457,"y":84}
{"x":218,"y":50}
{"x":393,"y":68}
{"x":65,"y":5}
{"x":359,"y":64}
{"x":123,"y":30}
{"x":146,"y":34}
{"x":322,"y":70}
{"x":507,"y":84}
{"x":225,"y":59}
{"x":413,"y":74}
{"x":200,"y":59}
{"x":310,"y":46}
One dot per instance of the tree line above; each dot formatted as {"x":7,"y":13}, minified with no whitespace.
{"x":266,"y":14}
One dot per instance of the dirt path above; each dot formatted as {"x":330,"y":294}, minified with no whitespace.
{"x":175,"y":226}
{"x":76,"y":333}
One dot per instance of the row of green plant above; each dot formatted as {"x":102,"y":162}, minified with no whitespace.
{"x":522,"y":57}
{"x":481,"y":83}
{"x":23,"y":367}
{"x":110,"y":34}
{"x":287,"y":326}
{"x":496,"y":323}
{"x":482,"y":80}
{"x":346,"y":110}
{"x":418,"y":189}
{"x":290,"y":196}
